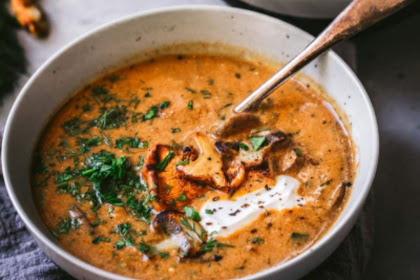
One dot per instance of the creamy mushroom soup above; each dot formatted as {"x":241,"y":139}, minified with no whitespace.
{"x":148,"y":173}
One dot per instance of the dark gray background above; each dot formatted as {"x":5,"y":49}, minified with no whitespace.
{"x":389,"y":68}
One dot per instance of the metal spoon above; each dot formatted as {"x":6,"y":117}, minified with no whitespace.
{"x":358,"y":15}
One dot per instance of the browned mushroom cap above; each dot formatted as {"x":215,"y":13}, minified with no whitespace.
{"x":288,"y":159}
{"x":277,"y":154}
{"x":237,"y":123}
{"x":293,"y":156}
{"x":227,"y":149}
{"x":209,"y":167}
{"x":170,"y":189}
{"x":167,"y":222}
{"x":181,"y":232}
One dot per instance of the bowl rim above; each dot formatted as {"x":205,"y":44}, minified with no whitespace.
{"x":345,"y":218}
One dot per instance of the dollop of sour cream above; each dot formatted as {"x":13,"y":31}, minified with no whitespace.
{"x":227,"y":216}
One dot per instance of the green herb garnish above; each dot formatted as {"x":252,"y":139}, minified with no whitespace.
{"x":102,"y":93}
{"x":257,"y":142}
{"x":99,"y":90}
{"x":206,"y":93}
{"x":161,"y":165}
{"x":192,"y":213}
{"x":326,"y":183}
{"x":144,"y":248}
{"x":135,"y":101}
{"x":122,"y":229}
{"x":132,"y":142}
{"x":299,"y":236}
{"x":140,"y":208}
{"x":243,"y":146}
{"x":114,"y":78}
{"x":38,"y":165}
{"x":106,"y":139}
{"x":190,"y":90}
{"x":213,"y":243}
{"x":181,"y":197}
{"x":87,"y":108}
{"x":164,"y":105}
{"x":64,"y":225}
{"x":109,"y":176}
{"x":56,"y":235}
{"x":257,"y":240}
{"x":72,"y":127}
{"x":297,"y":152}
{"x":226,"y":105}
{"x":119,"y":245}
{"x":97,"y":239}
{"x":112,"y":118}
{"x":140,"y":164}
{"x":152,"y":113}
{"x":193,"y":228}
{"x":87,"y":143}
{"x":164,"y":255}
{"x":184,"y":162}
{"x":65,"y":176}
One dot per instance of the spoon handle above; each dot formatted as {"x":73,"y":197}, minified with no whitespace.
{"x":358,"y":15}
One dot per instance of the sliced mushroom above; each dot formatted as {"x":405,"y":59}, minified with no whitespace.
{"x":209,"y":167}
{"x":235,"y":175}
{"x":276,"y":155}
{"x":237,"y":123}
{"x":253,"y":158}
{"x":288,"y":160}
{"x":170,"y":189}
{"x":292,"y":156}
{"x":182,"y":233}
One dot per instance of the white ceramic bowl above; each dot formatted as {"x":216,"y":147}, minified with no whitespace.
{"x":120,"y":41}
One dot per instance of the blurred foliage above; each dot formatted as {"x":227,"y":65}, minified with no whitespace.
{"x":12,"y":57}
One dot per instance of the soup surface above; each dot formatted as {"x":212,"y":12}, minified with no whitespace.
{"x":136,"y":175}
